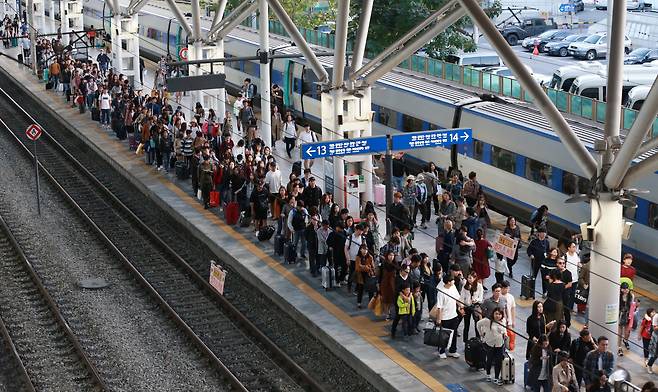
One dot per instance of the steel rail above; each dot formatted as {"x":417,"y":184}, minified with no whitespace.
{"x":284,"y":361}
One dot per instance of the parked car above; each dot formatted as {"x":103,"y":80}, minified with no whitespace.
{"x":601,"y":4}
{"x":630,"y":4}
{"x":595,"y":46}
{"x":641,"y":56}
{"x":578,"y":5}
{"x":479,"y":59}
{"x":528,"y":28}
{"x":542,"y":39}
{"x":561,"y":48}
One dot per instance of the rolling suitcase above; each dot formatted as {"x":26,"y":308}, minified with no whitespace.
{"x":45,"y":76}
{"x":50,"y":85}
{"x":278,"y":245}
{"x":181,"y":170}
{"x":20,"y":58}
{"x":95,"y":114}
{"x":232,"y":213}
{"x":507,"y":371}
{"x":132,"y":142}
{"x":245,"y":220}
{"x":214,"y":199}
{"x":297,"y":168}
{"x":328,"y":277}
{"x":474,"y":353}
{"x":526,"y":370}
{"x":289,"y":252}
{"x":527,"y":287}
{"x":380,"y":194}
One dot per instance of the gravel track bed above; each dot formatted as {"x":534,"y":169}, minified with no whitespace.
{"x":135,"y":347}
{"x":309,"y":352}
{"x":10,"y":379}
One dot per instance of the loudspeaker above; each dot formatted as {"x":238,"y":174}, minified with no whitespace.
{"x":587,"y":231}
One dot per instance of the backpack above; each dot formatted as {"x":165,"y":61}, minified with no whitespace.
{"x":298,"y":221}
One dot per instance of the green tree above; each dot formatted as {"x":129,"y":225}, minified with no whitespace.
{"x":301,"y":12}
{"x":393,"y":18}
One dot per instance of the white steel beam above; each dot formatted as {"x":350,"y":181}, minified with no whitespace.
{"x":341,"y":43}
{"x":219,"y":14}
{"x":642,"y":169}
{"x":577,"y":150}
{"x":648,"y":145}
{"x":135,"y":6}
{"x":361,"y":35}
{"x":180,"y":17}
{"x":110,"y":4}
{"x":265,"y":104}
{"x":410,"y":48}
{"x":400,"y":42}
{"x":196,"y":20}
{"x":289,"y":25}
{"x":633,"y":142}
{"x":227,"y":24}
{"x":615,"y":73}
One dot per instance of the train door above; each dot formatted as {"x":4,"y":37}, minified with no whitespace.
{"x":287,"y":82}
{"x":296,"y":75}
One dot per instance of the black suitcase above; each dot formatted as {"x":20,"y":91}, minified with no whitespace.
{"x":527,"y":287}
{"x":95,"y":114}
{"x":297,"y":168}
{"x":278,"y":245}
{"x":20,"y":57}
{"x":474,"y":353}
{"x":266,"y":233}
{"x":289,"y":253}
{"x":181,"y":170}
{"x":50,"y":85}
{"x":68,"y":95}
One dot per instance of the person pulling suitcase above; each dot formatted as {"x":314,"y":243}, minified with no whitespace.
{"x":493,"y":333}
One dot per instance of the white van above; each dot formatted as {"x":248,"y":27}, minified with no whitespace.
{"x":478,"y":59}
{"x":563,"y":77}
{"x":637,"y":96}
{"x":594,"y":86}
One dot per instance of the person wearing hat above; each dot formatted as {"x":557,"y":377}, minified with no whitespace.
{"x":409,"y":195}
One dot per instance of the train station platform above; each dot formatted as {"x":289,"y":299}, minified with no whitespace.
{"x":333,"y":317}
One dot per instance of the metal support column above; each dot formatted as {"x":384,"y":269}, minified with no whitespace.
{"x":180,"y":17}
{"x":196,"y":20}
{"x":605,"y":268}
{"x":33,"y":35}
{"x":265,"y":104}
{"x":362,"y":35}
{"x":642,"y":169}
{"x":64,"y":21}
{"x":197,"y":48}
{"x":222,"y":101}
{"x":365,"y":104}
{"x":339,"y":162}
{"x":571,"y":142}
{"x":296,"y":36}
{"x":341,"y":43}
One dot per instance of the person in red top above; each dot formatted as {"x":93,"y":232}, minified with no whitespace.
{"x":91,"y":34}
{"x":627,"y":270}
{"x":483,"y":249}
{"x":645,"y":331}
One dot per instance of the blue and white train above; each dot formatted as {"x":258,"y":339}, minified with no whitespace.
{"x":519,"y":160}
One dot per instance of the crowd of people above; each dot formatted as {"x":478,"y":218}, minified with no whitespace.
{"x":224,"y":153}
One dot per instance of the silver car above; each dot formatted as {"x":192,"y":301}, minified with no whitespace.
{"x":595,"y":46}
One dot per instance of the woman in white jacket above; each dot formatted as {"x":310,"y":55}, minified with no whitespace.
{"x":493,"y":335}
{"x":472,"y":296}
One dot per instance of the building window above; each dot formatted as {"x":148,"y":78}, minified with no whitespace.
{"x":503,"y":159}
{"x":411,"y":124}
{"x":573,"y":184}
{"x":478,"y":149}
{"x":653,"y":215}
{"x":388,"y":117}
{"x":538,"y":172}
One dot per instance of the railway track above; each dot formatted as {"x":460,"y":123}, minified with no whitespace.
{"x":47,"y":354}
{"x":243,"y":354}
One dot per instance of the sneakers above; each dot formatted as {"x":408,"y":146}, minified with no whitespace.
{"x":628,"y":346}
{"x":443,"y":356}
{"x":649,"y":369}
{"x":488,"y":377}
{"x":498,"y":381}
{"x":620,"y":352}
{"x":453,"y":355}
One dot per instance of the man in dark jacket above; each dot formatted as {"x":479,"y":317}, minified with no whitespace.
{"x":312,"y":194}
{"x":579,"y":349}
{"x":398,"y":213}
{"x":538,"y":250}
{"x":336,"y":244}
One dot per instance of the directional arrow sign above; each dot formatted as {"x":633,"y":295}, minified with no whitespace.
{"x":337,"y":148}
{"x":438,"y":138}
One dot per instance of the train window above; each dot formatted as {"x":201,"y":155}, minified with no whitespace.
{"x":653,"y":215}
{"x":538,"y":172}
{"x":592,"y":92}
{"x":503,"y":159}
{"x":573,"y":184}
{"x":478,"y":149}
{"x":252,"y":68}
{"x":388,"y":117}
{"x":411,"y":124}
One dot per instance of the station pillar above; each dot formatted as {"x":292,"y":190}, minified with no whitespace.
{"x":125,"y":34}
{"x":346,"y":116}
{"x":71,"y":17}
{"x":605,"y":268}
{"x":265,"y":104}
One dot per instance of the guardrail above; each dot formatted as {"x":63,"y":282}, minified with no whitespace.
{"x":589,"y":108}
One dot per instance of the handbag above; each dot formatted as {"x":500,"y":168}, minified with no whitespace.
{"x":373,"y":302}
{"x":581,"y":295}
{"x":370,"y":284}
{"x":441,"y":337}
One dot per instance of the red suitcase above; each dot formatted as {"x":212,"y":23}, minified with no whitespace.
{"x":232,"y":213}
{"x":214,"y":199}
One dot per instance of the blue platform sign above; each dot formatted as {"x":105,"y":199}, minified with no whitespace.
{"x":368,"y":145}
{"x":438,"y":138}
{"x":566,"y":7}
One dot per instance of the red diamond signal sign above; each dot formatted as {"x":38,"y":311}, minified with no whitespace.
{"x":33,"y":132}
